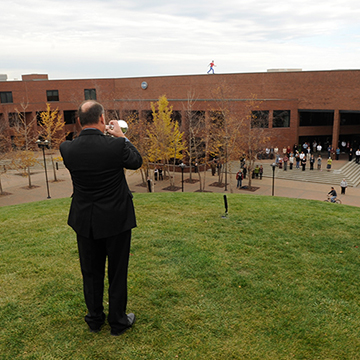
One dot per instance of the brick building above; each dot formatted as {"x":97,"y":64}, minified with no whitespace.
{"x":297,"y":105}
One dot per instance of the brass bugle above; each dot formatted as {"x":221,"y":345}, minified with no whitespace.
{"x":123,"y":125}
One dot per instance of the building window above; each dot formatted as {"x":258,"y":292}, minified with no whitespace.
{"x":148,"y":116}
{"x":112,"y":115}
{"x":349,"y":117}
{"x":316,"y":117}
{"x":52,"y":95}
{"x":14,"y":119}
{"x":216,"y":118}
{"x":90,"y":94}
{"x":130,"y":115}
{"x":69,"y":117}
{"x":38,"y":118}
{"x":6,"y":97}
{"x":195,"y":119}
{"x":176,"y":116}
{"x":260,"y":119}
{"x":281,"y":118}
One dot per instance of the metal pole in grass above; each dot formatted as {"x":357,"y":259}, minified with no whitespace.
{"x":273,"y":165}
{"x":226,"y":160}
{"x":42,"y":144}
{"x":182,"y":166}
{"x":226,"y":207}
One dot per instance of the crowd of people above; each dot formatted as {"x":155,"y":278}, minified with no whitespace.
{"x":312,"y":154}
{"x":301,"y":156}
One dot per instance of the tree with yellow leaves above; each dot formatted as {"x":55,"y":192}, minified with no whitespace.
{"x":51,"y":129}
{"x":165,"y":139}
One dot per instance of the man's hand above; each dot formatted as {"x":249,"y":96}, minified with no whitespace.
{"x":114,"y":129}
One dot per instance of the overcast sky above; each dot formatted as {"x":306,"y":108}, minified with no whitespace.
{"x":69,"y":39}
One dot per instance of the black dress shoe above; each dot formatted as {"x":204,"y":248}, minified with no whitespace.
{"x":131,"y":322}
{"x":95,"y":329}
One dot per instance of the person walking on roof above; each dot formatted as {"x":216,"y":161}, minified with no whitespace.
{"x":212,"y":65}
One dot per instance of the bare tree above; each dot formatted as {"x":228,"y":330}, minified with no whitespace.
{"x":137,"y":134}
{"x":5,"y":149}
{"x":226,"y":131}
{"x":193,"y":130}
{"x":256,"y":134}
{"x":24,"y":141}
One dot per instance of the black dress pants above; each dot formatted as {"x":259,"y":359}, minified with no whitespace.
{"x":93,"y":255}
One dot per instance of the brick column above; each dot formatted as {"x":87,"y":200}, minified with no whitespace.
{"x":271,"y":118}
{"x":336,"y":129}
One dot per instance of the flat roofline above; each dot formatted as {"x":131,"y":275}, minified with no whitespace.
{"x":269,"y":73}
{"x":137,"y":100}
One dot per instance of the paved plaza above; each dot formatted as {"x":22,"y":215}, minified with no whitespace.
{"x":292,"y":183}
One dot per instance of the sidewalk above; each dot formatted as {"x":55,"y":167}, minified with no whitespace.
{"x":16,"y":186}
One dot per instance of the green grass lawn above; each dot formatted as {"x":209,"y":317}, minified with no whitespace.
{"x":277,"y":279}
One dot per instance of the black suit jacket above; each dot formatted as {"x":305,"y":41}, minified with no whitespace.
{"x":101,"y":201}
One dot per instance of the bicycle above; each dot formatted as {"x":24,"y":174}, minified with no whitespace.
{"x":337,"y":201}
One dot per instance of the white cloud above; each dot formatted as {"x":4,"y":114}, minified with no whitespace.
{"x":97,"y":38}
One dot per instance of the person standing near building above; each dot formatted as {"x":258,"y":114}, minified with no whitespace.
{"x":357,"y":156}
{"x":244,"y":171}
{"x":314,"y":145}
{"x":267,"y":153}
{"x":102,"y":213}
{"x":329,"y":162}
{"x":276,"y":151}
{"x":343,"y":186}
{"x":219,"y":166}
{"x":351,"y":153}
{"x":239,"y":176}
{"x":312,"y":161}
{"x":303,"y":163}
{"x":256,"y":172}
{"x":333,"y":153}
{"x":329,"y":148}
{"x":304,"y":147}
{"x":291,"y":161}
{"x":286,"y":159}
{"x":319,"y":148}
{"x":337,"y":151}
{"x":261,"y":171}
{"x":297,"y":159}
{"x":213,"y":168}
{"x":319,"y":159}
{"x":196,"y":167}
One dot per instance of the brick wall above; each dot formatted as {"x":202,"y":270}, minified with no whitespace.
{"x":318,"y":90}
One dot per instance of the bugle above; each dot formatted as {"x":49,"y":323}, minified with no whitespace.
{"x":123,"y":125}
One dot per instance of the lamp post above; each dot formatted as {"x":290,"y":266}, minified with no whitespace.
{"x":226,"y":160}
{"x":273,"y":165}
{"x":42,"y":144}
{"x":182,"y":166}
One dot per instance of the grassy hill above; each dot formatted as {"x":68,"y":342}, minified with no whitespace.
{"x":277,"y":279}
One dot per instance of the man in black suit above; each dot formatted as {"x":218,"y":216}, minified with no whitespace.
{"x":102,"y":213}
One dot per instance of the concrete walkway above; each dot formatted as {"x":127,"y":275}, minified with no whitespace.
{"x":17,"y":190}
